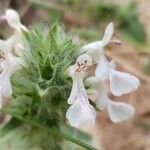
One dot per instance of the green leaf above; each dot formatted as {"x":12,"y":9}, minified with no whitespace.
{"x":8,"y":128}
{"x":46,"y":68}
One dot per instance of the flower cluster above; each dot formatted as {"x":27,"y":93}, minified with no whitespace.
{"x":106,"y":79}
{"x":10,"y":50}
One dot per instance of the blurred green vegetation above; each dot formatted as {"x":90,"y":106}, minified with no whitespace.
{"x":94,"y":14}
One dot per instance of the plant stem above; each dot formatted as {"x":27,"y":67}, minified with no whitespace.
{"x":52,"y":131}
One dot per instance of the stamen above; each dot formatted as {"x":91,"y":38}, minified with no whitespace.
{"x":78,"y":64}
{"x":2,"y":55}
{"x":82,"y":66}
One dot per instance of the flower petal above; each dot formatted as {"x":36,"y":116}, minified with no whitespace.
{"x":6,"y":86}
{"x":73,"y":95}
{"x":84,"y":59}
{"x":10,"y":65}
{"x":102,"y":97}
{"x":1,"y":68}
{"x":77,"y":86}
{"x":93,"y":49}
{"x":7,"y":45}
{"x":81,"y":114}
{"x":13,"y":19}
{"x":122,"y":83}
{"x":1,"y":100}
{"x":18,"y":49}
{"x":101,"y":71}
{"x":108,"y":34}
{"x":97,"y":92}
{"x":3,"y":45}
{"x":71,"y":71}
{"x":112,"y":64}
{"x":10,"y":42}
{"x":119,"y":111}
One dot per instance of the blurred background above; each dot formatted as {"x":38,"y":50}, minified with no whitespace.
{"x":85,"y":21}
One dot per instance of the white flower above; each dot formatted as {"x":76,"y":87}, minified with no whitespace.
{"x":102,"y":71}
{"x":77,"y":86}
{"x":13,"y":20}
{"x":122,"y":83}
{"x":10,"y":65}
{"x":119,"y":83}
{"x":77,"y":73}
{"x":117,"y":111}
{"x":11,"y":44}
{"x":1,"y":100}
{"x":80,"y":113}
{"x":5,"y":85}
{"x":94,"y":49}
{"x":14,"y":44}
{"x":8,"y":45}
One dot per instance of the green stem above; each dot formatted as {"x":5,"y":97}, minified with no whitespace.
{"x":53,"y":131}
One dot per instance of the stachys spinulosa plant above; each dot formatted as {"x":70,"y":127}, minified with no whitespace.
{"x":41,"y":70}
